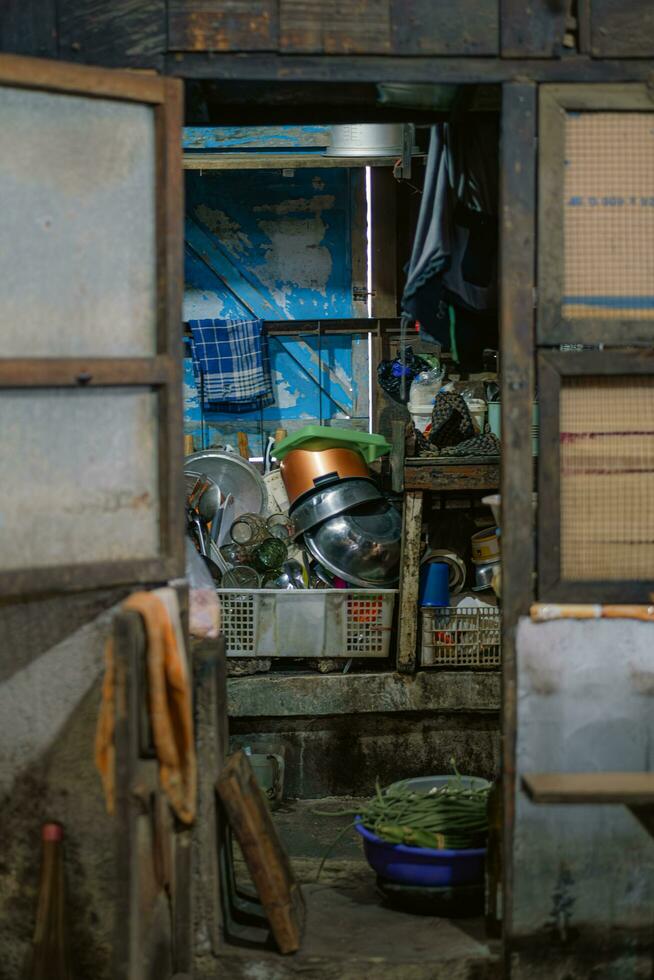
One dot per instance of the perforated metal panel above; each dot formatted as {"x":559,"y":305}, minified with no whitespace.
{"x":609,"y":215}
{"x":607,"y":478}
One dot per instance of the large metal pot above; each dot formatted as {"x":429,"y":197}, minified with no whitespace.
{"x":330,"y":501}
{"x":362,"y":546}
{"x":304,"y":470}
{"x":366,"y":140}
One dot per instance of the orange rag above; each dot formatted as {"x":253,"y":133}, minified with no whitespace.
{"x":169,"y":705}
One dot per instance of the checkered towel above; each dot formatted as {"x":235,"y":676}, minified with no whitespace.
{"x":231,"y":365}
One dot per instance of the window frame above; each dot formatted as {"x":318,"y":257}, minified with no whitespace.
{"x":161,"y":373}
{"x":553,"y":366}
{"x":554,"y":103}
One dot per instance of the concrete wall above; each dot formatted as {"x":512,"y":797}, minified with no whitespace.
{"x":342,"y":732}
{"x":584,"y":876}
{"x":49,"y":695}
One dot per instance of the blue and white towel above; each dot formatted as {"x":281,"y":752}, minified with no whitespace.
{"x":231,"y":365}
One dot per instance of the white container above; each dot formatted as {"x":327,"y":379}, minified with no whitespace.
{"x":367,"y":140}
{"x":460,"y":636}
{"x":334,"y":623}
{"x":420,"y":416}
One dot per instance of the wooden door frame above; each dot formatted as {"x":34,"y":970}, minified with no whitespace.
{"x":162,"y":373}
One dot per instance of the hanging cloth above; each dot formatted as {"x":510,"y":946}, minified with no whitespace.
{"x":231,"y":364}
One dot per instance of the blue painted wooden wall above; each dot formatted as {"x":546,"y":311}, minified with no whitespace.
{"x":278,"y":247}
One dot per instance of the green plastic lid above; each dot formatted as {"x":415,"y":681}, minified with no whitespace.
{"x":319,"y":437}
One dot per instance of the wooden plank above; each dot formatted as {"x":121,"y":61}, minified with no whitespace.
{"x":335,"y":26}
{"x":231,"y":25}
{"x":72,"y":578}
{"x":267,"y":861}
{"x":129,"y":639}
{"x":170,"y":280}
{"x":621,"y":28}
{"x":376,"y":69}
{"x":54,"y":76}
{"x":439,"y":27}
{"x":533,"y":30}
{"x":73,"y":372}
{"x":451,"y":476}
{"x":407,"y":628}
{"x":635,"y":788}
{"x":383,"y":193}
{"x":549,"y":478}
{"x":517,"y":261}
{"x":279,"y":161}
{"x":238,"y":138}
{"x":29,"y":27}
{"x":120,"y":33}
{"x":212,"y":740}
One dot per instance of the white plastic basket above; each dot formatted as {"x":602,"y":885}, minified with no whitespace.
{"x":461,"y":636}
{"x":307,"y":623}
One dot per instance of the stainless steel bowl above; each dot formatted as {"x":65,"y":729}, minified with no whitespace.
{"x":331,"y":501}
{"x":484,"y":575}
{"x":361,"y":546}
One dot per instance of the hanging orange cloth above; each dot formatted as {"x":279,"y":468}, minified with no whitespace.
{"x":169,"y":704}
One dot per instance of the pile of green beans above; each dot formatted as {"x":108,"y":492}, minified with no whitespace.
{"x":453,"y":816}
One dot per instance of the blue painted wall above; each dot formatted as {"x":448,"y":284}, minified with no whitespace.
{"x":279,"y":247}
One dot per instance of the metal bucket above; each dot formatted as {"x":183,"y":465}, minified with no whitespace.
{"x":366,"y":140}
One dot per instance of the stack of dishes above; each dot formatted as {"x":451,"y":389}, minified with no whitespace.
{"x":345,"y":522}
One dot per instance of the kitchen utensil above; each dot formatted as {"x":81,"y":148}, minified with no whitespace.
{"x":484,"y":575}
{"x":248,"y":529}
{"x":330,"y":501}
{"x":303,"y":470}
{"x":434,"y":584}
{"x":294,"y":570}
{"x":456,"y":564}
{"x":485,"y":545}
{"x":228,"y":510}
{"x":241,"y":577}
{"x":362,"y":546}
{"x":319,"y":437}
{"x":233,"y":475}
{"x":267,"y":456}
{"x":209,"y":502}
{"x":196,"y":520}
{"x":236,"y":554}
{"x":217,"y":558}
{"x":280,"y":526}
{"x":269,"y":554}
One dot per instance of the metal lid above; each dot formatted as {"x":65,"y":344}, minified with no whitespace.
{"x":330,"y":501}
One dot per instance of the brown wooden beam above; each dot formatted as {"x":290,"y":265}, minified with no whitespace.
{"x":517,"y":266}
{"x":75,"y":372}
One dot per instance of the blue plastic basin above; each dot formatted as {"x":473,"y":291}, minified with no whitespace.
{"x":421,"y":865}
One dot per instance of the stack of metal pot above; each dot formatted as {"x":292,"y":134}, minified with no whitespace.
{"x":347,"y":525}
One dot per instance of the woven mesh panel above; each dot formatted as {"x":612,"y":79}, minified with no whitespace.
{"x":609,"y":215}
{"x":607,"y":478}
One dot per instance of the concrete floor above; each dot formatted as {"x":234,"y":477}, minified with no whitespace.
{"x":350,"y":934}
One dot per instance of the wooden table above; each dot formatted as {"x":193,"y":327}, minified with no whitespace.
{"x":422,"y":475}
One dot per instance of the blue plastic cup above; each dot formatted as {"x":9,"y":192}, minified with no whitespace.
{"x":435,"y":584}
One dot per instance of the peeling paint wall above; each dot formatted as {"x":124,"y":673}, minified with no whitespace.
{"x":584,"y":705}
{"x":282,"y":243}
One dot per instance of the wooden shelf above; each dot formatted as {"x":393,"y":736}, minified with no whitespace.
{"x":279,"y":161}
{"x":628,"y":788}
{"x":452,"y":473}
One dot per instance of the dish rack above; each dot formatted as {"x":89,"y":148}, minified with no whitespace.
{"x":334,"y":623}
{"x":460,"y":636}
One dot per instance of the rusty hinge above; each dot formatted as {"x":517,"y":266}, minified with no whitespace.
{"x":360,"y":294}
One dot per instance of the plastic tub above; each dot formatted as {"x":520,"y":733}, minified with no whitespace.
{"x":420,"y":865}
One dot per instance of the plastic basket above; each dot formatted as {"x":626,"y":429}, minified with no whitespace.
{"x":461,"y":636}
{"x":313,"y":623}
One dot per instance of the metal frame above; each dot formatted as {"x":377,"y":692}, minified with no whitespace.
{"x":552,"y":367}
{"x":161,"y":373}
{"x":555,"y":102}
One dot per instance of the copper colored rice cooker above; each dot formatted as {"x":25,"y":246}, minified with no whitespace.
{"x":306,"y":470}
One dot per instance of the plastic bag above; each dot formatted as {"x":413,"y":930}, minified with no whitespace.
{"x":405,"y":366}
{"x":204,"y":606}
